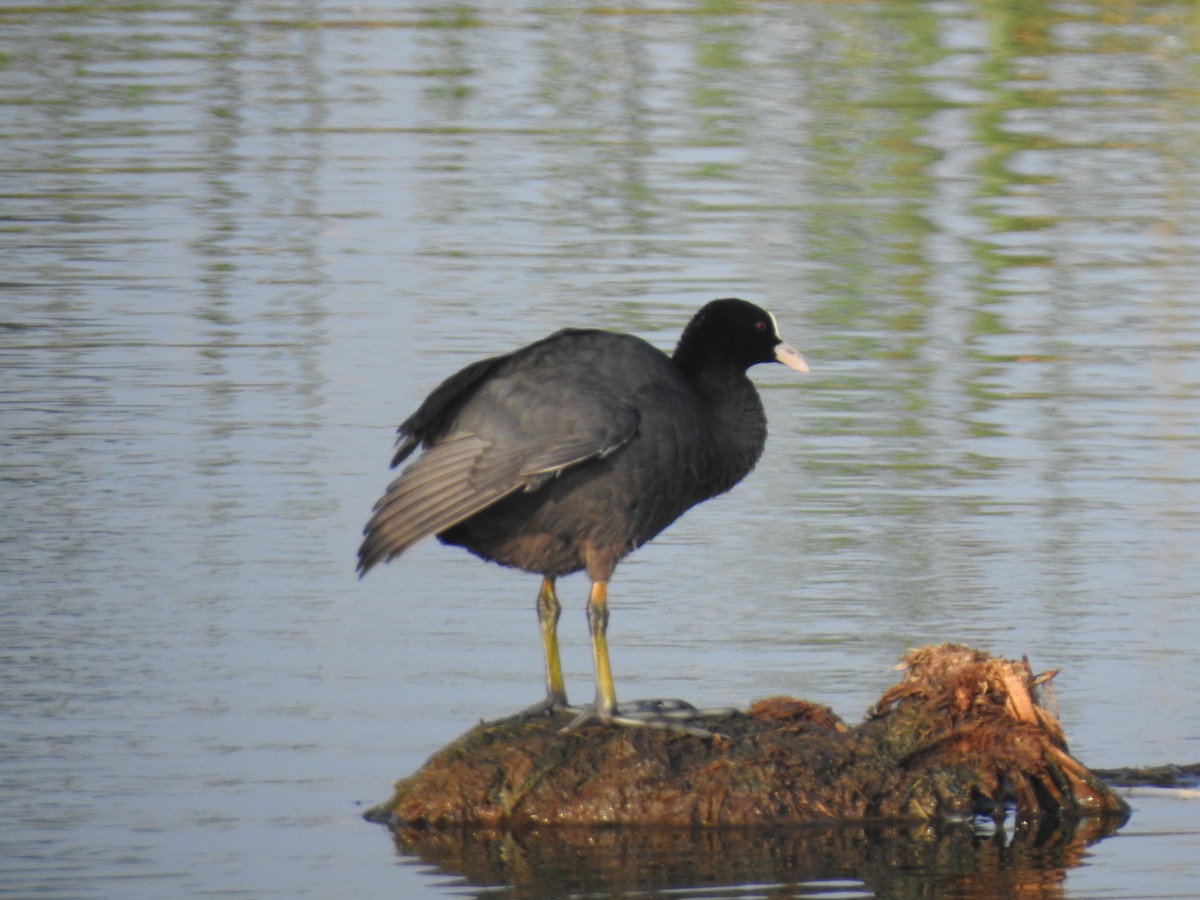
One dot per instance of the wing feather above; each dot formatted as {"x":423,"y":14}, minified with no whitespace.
{"x":464,"y":475}
{"x":505,"y":424}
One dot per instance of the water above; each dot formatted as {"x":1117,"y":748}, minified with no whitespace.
{"x":239,"y":242}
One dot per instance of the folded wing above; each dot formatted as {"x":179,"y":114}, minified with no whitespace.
{"x":500,"y":444}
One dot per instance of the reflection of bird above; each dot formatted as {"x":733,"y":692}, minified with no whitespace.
{"x":575,"y":450}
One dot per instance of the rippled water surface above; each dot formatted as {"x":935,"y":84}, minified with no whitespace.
{"x":239,"y":242}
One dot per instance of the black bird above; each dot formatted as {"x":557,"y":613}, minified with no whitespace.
{"x":570,"y":453}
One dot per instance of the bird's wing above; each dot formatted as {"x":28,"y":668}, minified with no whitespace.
{"x":436,"y":413}
{"x":467,"y":471}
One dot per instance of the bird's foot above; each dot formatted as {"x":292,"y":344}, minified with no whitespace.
{"x":667,"y":715}
{"x":549,"y":707}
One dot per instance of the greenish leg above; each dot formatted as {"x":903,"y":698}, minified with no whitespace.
{"x":549,"y":610}
{"x":597,"y":614}
{"x":668,"y":715}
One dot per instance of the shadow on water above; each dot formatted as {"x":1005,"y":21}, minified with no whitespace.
{"x":885,"y":860}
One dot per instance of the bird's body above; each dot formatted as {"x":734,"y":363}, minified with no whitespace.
{"x":573,"y":451}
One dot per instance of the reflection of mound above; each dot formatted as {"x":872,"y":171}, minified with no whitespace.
{"x":913,"y":859}
{"x":962,"y":734}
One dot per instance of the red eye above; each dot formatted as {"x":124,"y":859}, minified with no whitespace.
{"x":760,"y":325}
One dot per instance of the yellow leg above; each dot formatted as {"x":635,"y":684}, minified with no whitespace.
{"x":548,"y":612}
{"x":606,"y":695}
{"x":670,"y":715}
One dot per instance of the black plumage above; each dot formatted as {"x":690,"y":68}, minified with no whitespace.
{"x":573,"y":451}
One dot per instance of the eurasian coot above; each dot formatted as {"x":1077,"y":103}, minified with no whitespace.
{"x":575,"y":450}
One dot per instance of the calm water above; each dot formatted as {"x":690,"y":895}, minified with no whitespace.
{"x":240,"y":241}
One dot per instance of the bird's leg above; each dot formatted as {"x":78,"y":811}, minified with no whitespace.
{"x":597,"y":616}
{"x":549,"y":609}
{"x":669,"y":715}
{"x":605,"y":706}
